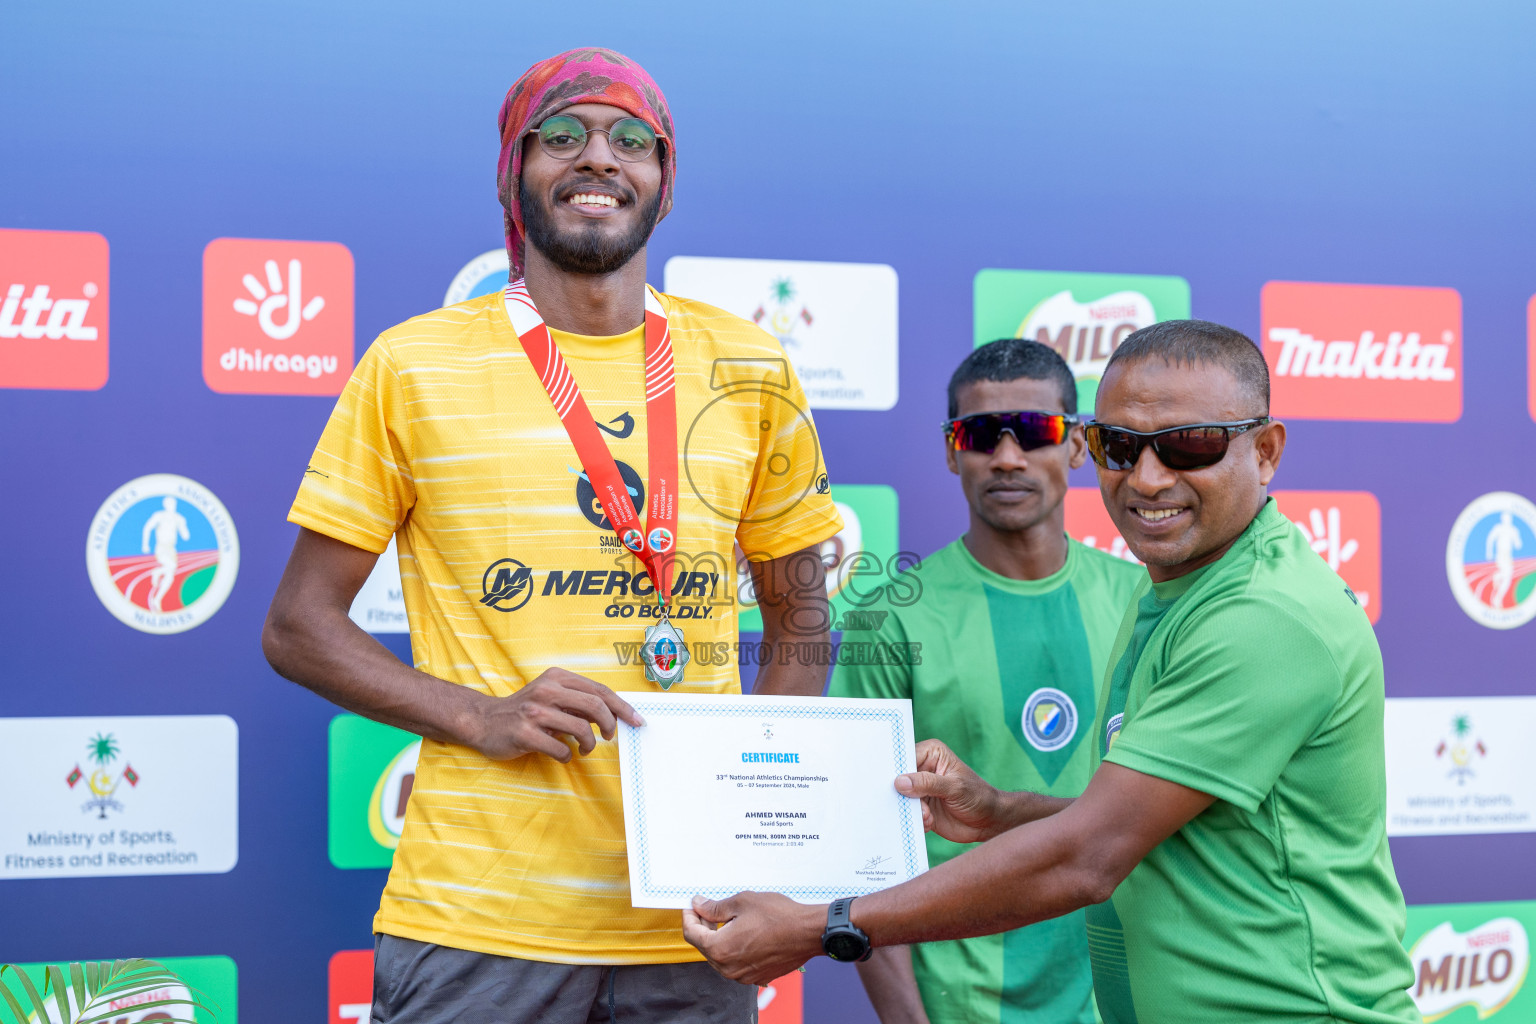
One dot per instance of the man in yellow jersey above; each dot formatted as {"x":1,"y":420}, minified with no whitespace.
{"x":549,"y":565}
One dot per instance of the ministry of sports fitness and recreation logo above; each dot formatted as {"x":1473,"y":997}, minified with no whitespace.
{"x":101,"y":776}
{"x":1490,"y":560}
{"x":482,"y":275}
{"x":53,"y":309}
{"x":1084,"y":317}
{"x":1362,"y":352}
{"x":1049,"y":719}
{"x":277,"y":316}
{"x":1460,"y":750}
{"x":781,"y":312}
{"x":506,"y":585}
{"x":162,"y":553}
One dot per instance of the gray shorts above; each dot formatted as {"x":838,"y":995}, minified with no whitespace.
{"x":420,"y":983}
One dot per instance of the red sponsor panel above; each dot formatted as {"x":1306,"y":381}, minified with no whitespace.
{"x":782,"y":1002}
{"x":1363,"y":351}
{"x":1088,"y":522}
{"x":53,"y":309}
{"x":351,"y":986}
{"x":1344,"y":528}
{"x":277,"y":316}
{"x":351,"y":992}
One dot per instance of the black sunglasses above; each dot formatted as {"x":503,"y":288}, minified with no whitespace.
{"x":984,"y":431}
{"x":1194,"y":446}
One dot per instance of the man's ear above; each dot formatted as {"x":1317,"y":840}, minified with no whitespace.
{"x":950,"y":458}
{"x":1269,"y":446}
{"x":1078,"y":442}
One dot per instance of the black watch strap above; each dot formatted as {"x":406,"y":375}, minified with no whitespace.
{"x":837,"y":913}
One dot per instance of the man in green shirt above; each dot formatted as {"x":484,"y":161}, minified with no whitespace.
{"x":1015,"y":622}
{"x":1233,"y":840}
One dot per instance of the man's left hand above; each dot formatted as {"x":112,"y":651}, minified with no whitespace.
{"x":760,"y":935}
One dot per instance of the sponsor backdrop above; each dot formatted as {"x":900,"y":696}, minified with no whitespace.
{"x":220,"y":206}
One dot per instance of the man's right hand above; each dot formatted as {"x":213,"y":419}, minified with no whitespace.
{"x":554,"y":705}
{"x":957,"y":803}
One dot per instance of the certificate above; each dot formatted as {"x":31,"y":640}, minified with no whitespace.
{"x":794,"y":795}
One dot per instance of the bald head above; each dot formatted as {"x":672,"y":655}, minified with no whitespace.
{"x":1202,"y":343}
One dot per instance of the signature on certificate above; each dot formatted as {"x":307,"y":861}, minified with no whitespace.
{"x":874,"y":862}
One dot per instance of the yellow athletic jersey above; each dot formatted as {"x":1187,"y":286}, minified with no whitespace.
{"x":445,"y":439}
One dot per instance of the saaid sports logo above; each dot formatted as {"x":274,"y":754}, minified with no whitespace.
{"x":592,"y":508}
{"x":1483,"y":967}
{"x":1049,"y":720}
{"x":53,"y":309}
{"x":162,"y":553}
{"x":1490,"y":560}
{"x":1363,"y":352}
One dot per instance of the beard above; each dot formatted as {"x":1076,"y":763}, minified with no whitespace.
{"x":587,"y":250}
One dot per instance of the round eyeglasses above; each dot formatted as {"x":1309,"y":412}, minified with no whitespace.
{"x":564,"y":137}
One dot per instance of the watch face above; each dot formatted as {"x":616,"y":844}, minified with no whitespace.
{"x":844,"y":946}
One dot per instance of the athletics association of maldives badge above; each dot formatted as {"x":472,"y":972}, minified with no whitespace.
{"x":664,"y":654}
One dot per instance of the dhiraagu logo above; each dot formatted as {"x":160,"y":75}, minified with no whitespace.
{"x":1471,"y":961}
{"x":1085,"y":317}
{"x":372,"y":773}
{"x":869,"y":527}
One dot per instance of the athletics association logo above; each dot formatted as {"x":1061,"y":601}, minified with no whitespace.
{"x":507,"y":585}
{"x":482,"y":275}
{"x":1050,"y":719}
{"x":1490,"y":560}
{"x":277,"y":316}
{"x":53,"y":309}
{"x":1363,"y":352}
{"x":103,"y":780}
{"x":660,"y":539}
{"x":162,"y":553}
{"x":633,"y":540}
{"x":1483,"y":967}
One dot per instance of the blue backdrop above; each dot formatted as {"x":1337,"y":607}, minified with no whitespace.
{"x":1229,"y":144}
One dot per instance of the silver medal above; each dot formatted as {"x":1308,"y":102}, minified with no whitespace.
{"x":664,"y":654}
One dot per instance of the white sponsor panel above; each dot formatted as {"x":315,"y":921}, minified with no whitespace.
{"x":1087,"y":333}
{"x":125,"y":795}
{"x":379,"y":606}
{"x":836,"y":321}
{"x":1460,"y":765}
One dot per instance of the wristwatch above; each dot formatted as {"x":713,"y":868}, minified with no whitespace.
{"x":843,"y":940}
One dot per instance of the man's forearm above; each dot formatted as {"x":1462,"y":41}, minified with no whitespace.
{"x":1033,"y":872}
{"x":1023,"y":807}
{"x":325,"y":651}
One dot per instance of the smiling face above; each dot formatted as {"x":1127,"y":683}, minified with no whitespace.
{"x":590,"y":215}
{"x":1013,"y":490}
{"x":1179,"y":520}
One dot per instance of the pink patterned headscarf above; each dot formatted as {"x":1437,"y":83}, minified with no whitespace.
{"x":591,"y":75}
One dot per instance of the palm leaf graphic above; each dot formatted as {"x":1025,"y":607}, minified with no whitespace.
{"x":83,"y":993}
{"x":103,"y":748}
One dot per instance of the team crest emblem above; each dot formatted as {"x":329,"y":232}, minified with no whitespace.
{"x":162,"y":553}
{"x":633,"y":540}
{"x":1490,"y":560}
{"x":1050,"y":719}
{"x":661,"y":539}
{"x":1112,"y":729}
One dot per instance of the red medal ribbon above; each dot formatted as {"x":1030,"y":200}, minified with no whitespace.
{"x":658,"y":541}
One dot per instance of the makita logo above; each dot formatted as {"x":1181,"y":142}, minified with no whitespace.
{"x":1399,"y":357}
{"x":53,"y":309}
{"x":66,"y":317}
{"x":1362,"y":352}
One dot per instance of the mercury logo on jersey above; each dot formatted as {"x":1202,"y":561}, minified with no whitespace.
{"x":507,"y":585}
{"x":53,"y":309}
{"x":1363,"y":352}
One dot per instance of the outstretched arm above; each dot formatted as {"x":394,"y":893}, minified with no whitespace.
{"x":309,"y":639}
{"x":1046,"y":868}
{"x":891,"y":985}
